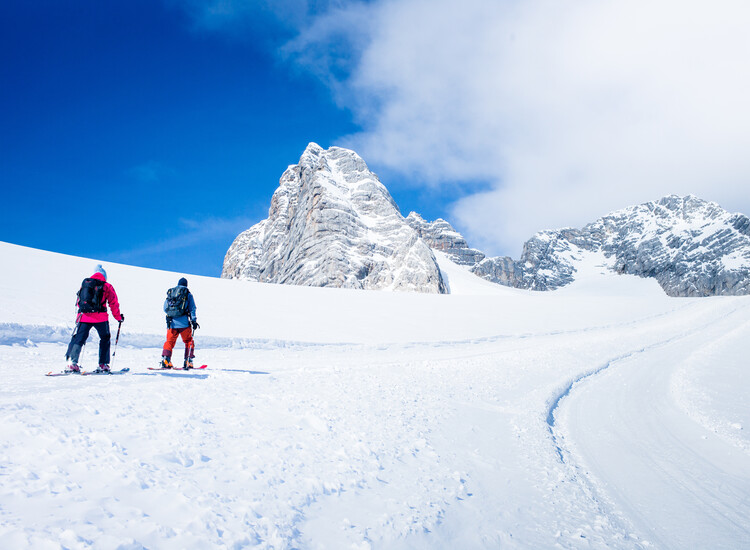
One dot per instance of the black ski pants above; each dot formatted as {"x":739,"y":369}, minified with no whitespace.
{"x":80,"y":336}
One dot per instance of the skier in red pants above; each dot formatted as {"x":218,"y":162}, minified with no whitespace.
{"x":181,"y":321}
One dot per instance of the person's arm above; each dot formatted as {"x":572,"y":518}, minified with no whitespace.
{"x":111,"y":297}
{"x":192,"y":308}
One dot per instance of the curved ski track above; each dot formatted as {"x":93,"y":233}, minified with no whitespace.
{"x":645,"y":459}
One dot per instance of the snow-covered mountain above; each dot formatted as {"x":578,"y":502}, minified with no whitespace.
{"x":690,"y":246}
{"x":333,"y":224}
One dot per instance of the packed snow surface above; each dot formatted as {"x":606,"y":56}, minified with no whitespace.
{"x":601,"y":415}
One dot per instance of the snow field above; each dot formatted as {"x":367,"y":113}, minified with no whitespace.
{"x":673,"y":462}
{"x":590,"y":417}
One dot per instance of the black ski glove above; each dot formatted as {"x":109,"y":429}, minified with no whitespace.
{"x":196,"y":325}
{"x":122,"y":318}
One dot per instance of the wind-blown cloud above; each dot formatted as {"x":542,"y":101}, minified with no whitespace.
{"x":191,"y":233}
{"x":566,"y":110}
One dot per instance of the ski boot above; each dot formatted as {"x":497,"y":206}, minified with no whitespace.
{"x":103,"y":368}
{"x":73,"y":367}
{"x":188,"y":363}
{"x":166,"y":362}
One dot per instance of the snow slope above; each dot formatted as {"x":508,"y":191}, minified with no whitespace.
{"x":603,"y":415}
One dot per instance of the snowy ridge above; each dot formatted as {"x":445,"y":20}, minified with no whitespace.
{"x":690,"y":246}
{"x":32,"y":335}
{"x":332,"y":223}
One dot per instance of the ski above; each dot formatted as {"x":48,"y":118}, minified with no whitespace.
{"x":61,"y":373}
{"x":92,"y":372}
{"x":178,"y":368}
{"x":194,"y":368}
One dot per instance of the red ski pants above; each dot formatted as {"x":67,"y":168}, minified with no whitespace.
{"x":187,"y":337}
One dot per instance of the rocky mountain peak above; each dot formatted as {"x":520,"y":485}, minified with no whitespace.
{"x":692,"y":247}
{"x":333,"y":223}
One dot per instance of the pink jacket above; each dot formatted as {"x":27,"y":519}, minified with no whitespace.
{"x":110,"y":297}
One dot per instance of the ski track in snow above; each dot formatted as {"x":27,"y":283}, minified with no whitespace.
{"x":557,"y":400}
{"x":676,"y":489}
{"x":598,"y":417}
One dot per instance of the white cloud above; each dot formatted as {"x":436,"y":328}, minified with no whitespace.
{"x":567,"y":110}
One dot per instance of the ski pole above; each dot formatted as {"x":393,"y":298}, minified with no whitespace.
{"x":69,"y":353}
{"x":117,"y":339}
{"x":192,"y":344}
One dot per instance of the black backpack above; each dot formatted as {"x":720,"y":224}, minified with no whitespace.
{"x":177,"y":301}
{"x":91,"y":296}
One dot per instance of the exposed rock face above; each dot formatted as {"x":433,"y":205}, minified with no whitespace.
{"x":332,"y":223}
{"x":547,"y":262}
{"x":440,"y":235}
{"x":690,"y":246}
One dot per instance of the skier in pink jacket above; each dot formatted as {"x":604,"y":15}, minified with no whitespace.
{"x":93,"y":297}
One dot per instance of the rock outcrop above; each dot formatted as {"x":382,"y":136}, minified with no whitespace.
{"x":440,"y":235}
{"x":333,"y":224}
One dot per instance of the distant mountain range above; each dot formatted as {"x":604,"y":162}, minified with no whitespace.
{"x":333,"y":223}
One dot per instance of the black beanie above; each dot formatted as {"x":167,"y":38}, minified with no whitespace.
{"x":182,"y":282}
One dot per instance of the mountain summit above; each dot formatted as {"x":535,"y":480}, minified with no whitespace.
{"x":692,"y":247}
{"x":332,"y":223}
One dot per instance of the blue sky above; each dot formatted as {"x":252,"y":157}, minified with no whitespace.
{"x":153,"y":132}
{"x":132,"y":135}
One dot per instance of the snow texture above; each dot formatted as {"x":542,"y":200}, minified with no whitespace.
{"x":603,"y":415}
